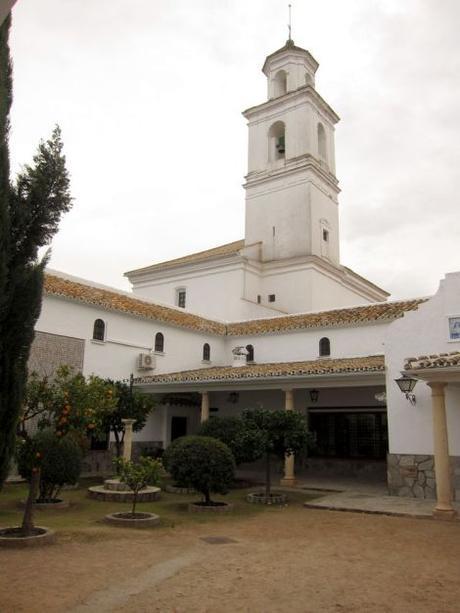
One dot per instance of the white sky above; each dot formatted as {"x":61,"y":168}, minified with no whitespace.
{"x":149,"y":95}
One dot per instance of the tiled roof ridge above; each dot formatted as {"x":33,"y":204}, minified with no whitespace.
{"x":372,"y":363}
{"x":198,"y":256}
{"x":437,"y":360}
{"x":376,"y":311}
{"x":112,"y":299}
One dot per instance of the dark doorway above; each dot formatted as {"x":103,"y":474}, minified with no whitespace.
{"x":178,"y":427}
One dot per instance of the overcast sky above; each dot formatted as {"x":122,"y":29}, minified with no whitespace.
{"x":149,"y":95}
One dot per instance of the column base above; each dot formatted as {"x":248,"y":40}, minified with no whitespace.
{"x":447,"y":514}
{"x":288,"y":482}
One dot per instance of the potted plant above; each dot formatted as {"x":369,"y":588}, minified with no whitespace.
{"x":281,"y":433}
{"x":137,"y":476}
{"x":204,"y":464}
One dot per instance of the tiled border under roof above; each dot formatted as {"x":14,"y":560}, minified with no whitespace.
{"x":382,"y":311}
{"x":193,"y":258}
{"x":372,"y":363}
{"x":111,"y":299}
{"x":114,"y":301}
{"x":438,"y":360}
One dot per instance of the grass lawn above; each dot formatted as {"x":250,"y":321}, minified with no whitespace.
{"x":85,"y":514}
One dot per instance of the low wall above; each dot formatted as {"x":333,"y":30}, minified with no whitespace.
{"x":413,"y":475}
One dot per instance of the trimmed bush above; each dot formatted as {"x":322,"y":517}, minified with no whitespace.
{"x":244,"y":442}
{"x":202,"y":463}
{"x":59,"y":460}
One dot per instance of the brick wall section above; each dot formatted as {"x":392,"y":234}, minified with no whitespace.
{"x":49,"y":351}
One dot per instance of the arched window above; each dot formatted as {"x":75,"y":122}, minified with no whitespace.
{"x":206,"y":352}
{"x":280,"y":83}
{"x":324,"y":347}
{"x":99,"y":330}
{"x":276,"y":141}
{"x":322,"y":150}
{"x":250,"y":355}
{"x":159,"y":342}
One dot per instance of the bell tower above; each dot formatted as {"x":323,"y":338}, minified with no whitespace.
{"x":291,"y":188}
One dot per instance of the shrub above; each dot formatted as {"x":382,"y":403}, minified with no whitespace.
{"x":238,"y":435}
{"x":60,"y":462}
{"x":138,"y":475}
{"x":202,"y":463}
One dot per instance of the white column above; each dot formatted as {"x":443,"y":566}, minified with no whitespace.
{"x":289,"y":476}
{"x":128,"y":438}
{"x":443,"y":508}
{"x":204,"y":406}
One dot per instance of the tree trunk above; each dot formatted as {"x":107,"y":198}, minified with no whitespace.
{"x":207,"y":498}
{"x":28,"y":518}
{"x":133,"y":510}
{"x":267,"y":476}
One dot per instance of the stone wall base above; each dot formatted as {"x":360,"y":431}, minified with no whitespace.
{"x":413,"y":475}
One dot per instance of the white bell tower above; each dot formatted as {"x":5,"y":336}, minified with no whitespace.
{"x":291,"y":188}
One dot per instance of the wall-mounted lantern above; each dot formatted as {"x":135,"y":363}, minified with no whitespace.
{"x":314,"y":395}
{"x":406,"y":385}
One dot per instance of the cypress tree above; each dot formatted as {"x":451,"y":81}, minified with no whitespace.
{"x":30,"y":210}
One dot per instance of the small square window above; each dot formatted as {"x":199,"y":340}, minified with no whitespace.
{"x":326,"y":235}
{"x":454,"y":328}
{"x":271,"y":298}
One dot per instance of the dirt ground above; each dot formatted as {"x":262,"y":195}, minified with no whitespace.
{"x":296,"y":560}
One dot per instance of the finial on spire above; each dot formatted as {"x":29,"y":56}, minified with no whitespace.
{"x":289,"y":24}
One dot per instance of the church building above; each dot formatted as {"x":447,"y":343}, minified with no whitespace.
{"x":274,"y":320}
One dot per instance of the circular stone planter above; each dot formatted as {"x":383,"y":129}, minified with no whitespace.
{"x":11,"y":538}
{"x":126,"y":520}
{"x":52,"y":504}
{"x":215,"y":507}
{"x":261,"y":498}
{"x":105,"y":493}
{"x":177,"y":489}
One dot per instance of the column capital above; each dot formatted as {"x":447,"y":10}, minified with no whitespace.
{"x":128,"y":422}
{"x":287,"y":389}
{"x":437,"y":387}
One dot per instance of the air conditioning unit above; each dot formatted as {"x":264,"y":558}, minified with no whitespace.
{"x":146,"y":361}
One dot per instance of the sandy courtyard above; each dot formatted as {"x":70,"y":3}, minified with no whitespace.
{"x":291,"y":560}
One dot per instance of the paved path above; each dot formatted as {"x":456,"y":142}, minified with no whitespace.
{"x":364,"y":502}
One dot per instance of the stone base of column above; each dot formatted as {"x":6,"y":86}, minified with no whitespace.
{"x":288,"y":482}
{"x":447,"y":514}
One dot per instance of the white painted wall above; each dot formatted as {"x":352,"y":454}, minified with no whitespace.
{"x":126,"y":337}
{"x":422,"y":332}
{"x":301,"y":345}
{"x":214,"y":291}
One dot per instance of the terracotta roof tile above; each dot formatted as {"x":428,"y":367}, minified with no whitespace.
{"x":193,"y":258}
{"x":384,"y":311}
{"x":114,"y":301}
{"x":438,"y":360}
{"x":372,"y":363}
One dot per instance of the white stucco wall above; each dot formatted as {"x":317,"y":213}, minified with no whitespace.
{"x":299,"y":345}
{"x":126,"y":337}
{"x":422,"y":332}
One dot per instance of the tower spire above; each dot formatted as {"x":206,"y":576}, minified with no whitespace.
{"x":290,"y":25}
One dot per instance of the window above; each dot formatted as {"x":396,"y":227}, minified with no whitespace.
{"x":206,"y":353}
{"x":277,"y":142}
{"x":322,"y":142}
{"x":250,"y":354}
{"x":324,"y":347}
{"x":181,"y":296}
{"x":271,"y":298}
{"x":280,"y":84}
{"x":259,"y":298}
{"x":159,"y":342}
{"x":99,"y":330}
{"x":326,"y":235}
